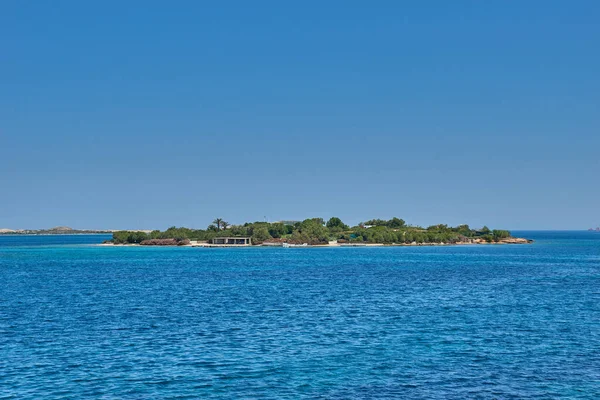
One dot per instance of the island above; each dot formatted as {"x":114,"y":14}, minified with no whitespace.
{"x":58,"y":230}
{"x":316,"y":232}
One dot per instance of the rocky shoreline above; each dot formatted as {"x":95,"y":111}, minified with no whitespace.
{"x":188,"y":243}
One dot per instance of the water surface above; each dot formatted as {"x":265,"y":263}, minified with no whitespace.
{"x":514,"y":321}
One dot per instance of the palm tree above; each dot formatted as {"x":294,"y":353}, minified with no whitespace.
{"x":224,"y":224}
{"x":218,"y":222}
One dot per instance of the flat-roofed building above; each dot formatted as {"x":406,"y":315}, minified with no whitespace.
{"x":232,"y":241}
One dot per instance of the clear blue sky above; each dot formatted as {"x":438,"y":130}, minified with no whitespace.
{"x":149,"y":114}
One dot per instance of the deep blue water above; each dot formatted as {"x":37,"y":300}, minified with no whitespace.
{"x":50,"y":240}
{"x":81,"y":321}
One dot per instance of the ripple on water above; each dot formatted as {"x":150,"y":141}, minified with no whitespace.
{"x":468,"y":322}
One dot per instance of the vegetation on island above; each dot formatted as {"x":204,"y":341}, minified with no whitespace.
{"x":315,"y":231}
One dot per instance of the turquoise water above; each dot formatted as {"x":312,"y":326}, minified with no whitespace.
{"x":521,"y":321}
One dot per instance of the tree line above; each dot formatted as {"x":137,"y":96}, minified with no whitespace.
{"x":318,"y":231}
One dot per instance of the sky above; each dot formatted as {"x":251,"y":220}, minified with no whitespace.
{"x":148,"y":114}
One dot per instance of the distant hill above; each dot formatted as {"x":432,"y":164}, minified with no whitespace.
{"x":61,"y":229}
{"x":57,"y":230}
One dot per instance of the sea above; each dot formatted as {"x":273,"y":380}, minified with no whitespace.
{"x":81,"y":321}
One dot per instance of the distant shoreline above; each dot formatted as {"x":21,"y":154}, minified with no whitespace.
{"x":56,"y":234}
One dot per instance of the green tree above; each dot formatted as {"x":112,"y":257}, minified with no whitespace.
{"x":336,"y":224}
{"x":438,"y":228}
{"x":488,"y":237}
{"x":464,"y":230}
{"x":500,"y":234}
{"x":260,"y":234}
{"x":239,"y":230}
{"x":319,"y":221}
{"x":396,"y":223}
{"x":120,"y":237}
{"x":131,"y":237}
{"x":311,"y":231}
{"x":277,"y":230}
{"x":217,"y":222}
{"x":212,"y":227}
